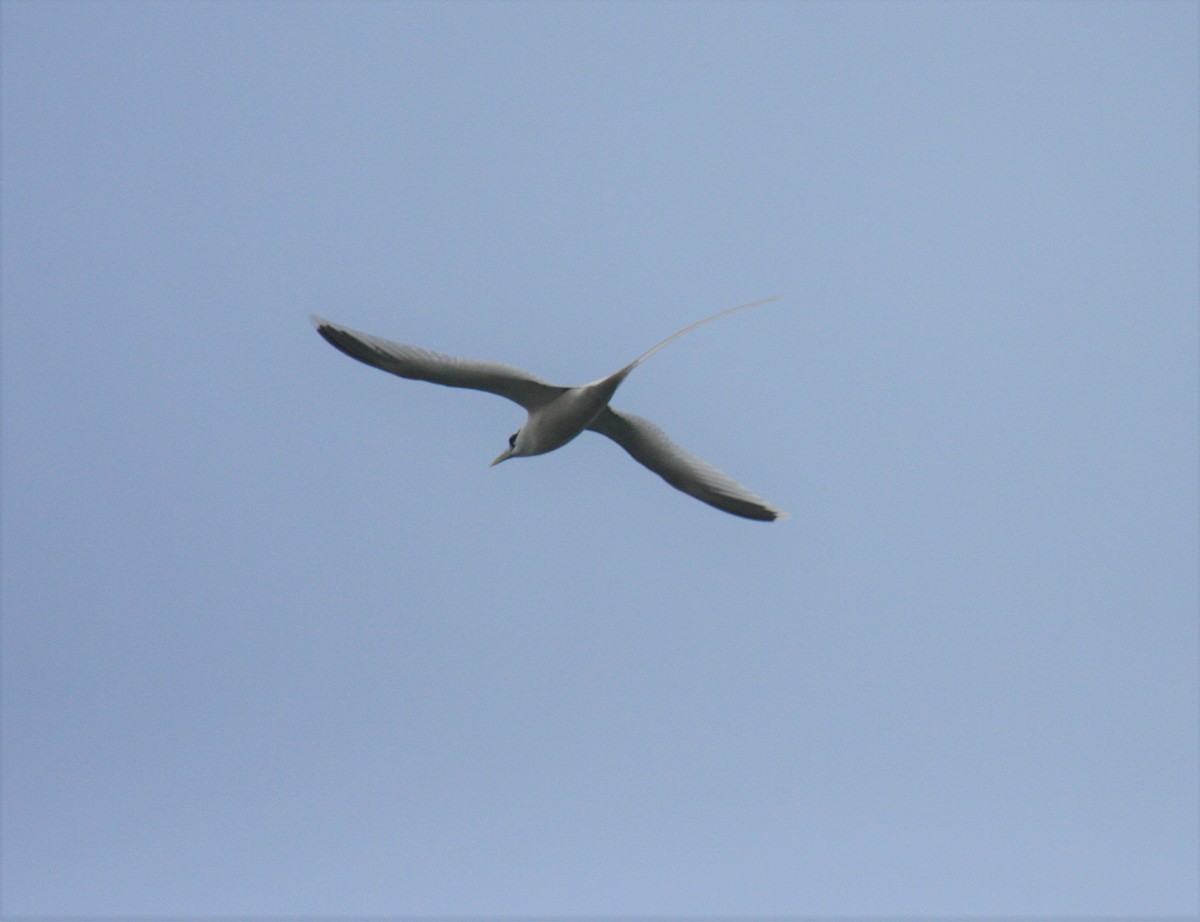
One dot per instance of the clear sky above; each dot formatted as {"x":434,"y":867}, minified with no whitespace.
{"x":277,"y":641}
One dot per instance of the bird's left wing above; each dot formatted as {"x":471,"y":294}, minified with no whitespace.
{"x":649,"y":445}
{"x":424,"y":365}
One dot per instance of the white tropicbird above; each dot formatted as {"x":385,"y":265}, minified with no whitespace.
{"x":558,"y":414}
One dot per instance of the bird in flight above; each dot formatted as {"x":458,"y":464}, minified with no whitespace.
{"x":558,"y":414}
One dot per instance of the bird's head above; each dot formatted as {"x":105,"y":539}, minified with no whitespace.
{"x":511,"y":451}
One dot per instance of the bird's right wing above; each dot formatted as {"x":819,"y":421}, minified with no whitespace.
{"x":423,"y":365}
{"x":649,"y":445}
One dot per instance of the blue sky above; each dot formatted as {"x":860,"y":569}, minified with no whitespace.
{"x":277,"y":641}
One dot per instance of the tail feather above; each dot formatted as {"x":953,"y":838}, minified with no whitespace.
{"x":699,"y":323}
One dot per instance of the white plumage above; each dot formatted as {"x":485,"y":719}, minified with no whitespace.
{"x":558,"y":414}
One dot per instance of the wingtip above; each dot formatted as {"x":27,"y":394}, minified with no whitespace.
{"x":781,"y":516}
{"x":318,"y":321}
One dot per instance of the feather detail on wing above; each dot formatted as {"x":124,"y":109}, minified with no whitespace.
{"x":650,"y":446}
{"x":424,"y":365}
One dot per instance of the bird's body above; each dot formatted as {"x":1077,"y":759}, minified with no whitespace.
{"x":559,"y":414}
{"x":566,"y":416}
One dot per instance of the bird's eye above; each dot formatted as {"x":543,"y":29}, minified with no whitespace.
{"x":512,"y":440}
